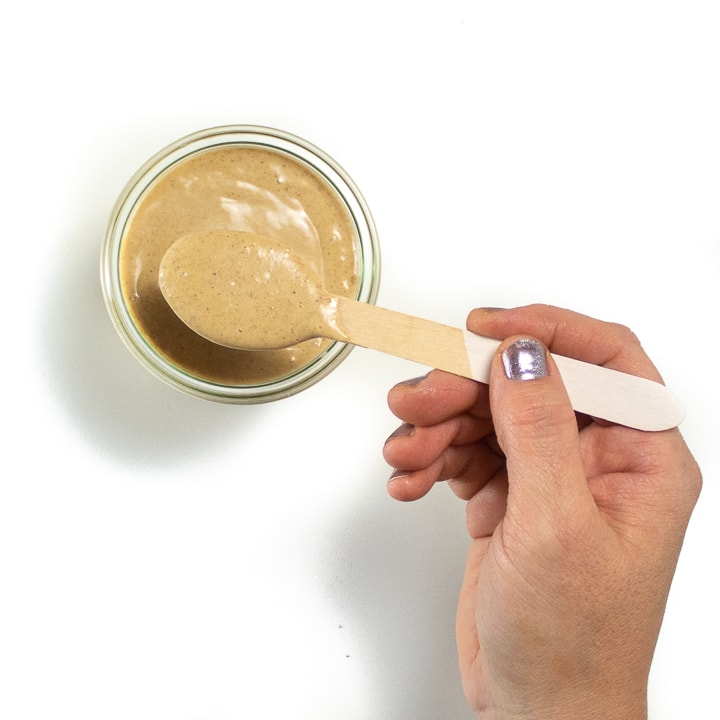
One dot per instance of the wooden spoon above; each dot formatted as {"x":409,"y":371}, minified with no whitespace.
{"x":245,"y":291}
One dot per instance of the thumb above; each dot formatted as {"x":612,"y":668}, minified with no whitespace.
{"x":537,"y":430}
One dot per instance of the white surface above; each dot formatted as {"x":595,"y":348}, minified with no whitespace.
{"x":166,"y":558}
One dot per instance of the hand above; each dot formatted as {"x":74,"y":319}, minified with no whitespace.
{"x":576,"y":525}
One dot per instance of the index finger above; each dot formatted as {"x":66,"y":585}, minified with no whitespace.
{"x":437,"y":397}
{"x":569,"y":333}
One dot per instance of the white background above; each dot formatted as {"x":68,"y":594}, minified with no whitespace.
{"x":167,"y":558}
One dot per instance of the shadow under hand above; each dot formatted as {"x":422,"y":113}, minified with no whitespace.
{"x":118,"y":406}
{"x":398,"y":568}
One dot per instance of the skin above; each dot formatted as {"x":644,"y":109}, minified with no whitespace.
{"x":576,"y":525}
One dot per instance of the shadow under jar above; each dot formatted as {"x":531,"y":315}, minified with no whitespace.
{"x":246,"y":178}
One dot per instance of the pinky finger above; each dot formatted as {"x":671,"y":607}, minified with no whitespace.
{"x":467,"y":468}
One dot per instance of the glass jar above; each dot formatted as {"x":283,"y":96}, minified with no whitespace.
{"x":240,"y":177}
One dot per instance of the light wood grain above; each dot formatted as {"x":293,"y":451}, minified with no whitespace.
{"x":412,"y":338}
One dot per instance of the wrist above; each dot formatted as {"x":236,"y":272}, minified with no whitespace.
{"x":612,"y":705}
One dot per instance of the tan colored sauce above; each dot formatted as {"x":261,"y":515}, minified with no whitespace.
{"x":246,"y":291}
{"x":250,"y":189}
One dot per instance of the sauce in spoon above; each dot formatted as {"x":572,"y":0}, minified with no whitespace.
{"x":243,"y":290}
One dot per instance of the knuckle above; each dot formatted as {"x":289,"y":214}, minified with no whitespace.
{"x":625,"y":337}
{"x":539,"y":428}
{"x":541,"y":414}
{"x":693,"y":482}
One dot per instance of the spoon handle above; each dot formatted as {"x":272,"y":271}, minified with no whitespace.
{"x":594,"y":390}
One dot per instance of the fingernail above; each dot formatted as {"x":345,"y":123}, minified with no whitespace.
{"x":525,"y":360}
{"x":397,"y":475}
{"x":412,"y":382}
{"x":403,"y":431}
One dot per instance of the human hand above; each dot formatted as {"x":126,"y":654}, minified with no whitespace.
{"x":576,"y":525}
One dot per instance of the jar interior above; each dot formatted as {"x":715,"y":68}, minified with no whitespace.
{"x":289,"y":194}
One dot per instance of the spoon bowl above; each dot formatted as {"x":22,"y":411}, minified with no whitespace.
{"x":243,"y":290}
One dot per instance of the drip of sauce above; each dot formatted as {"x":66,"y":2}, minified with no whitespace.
{"x":245,"y":291}
{"x":244,"y":188}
